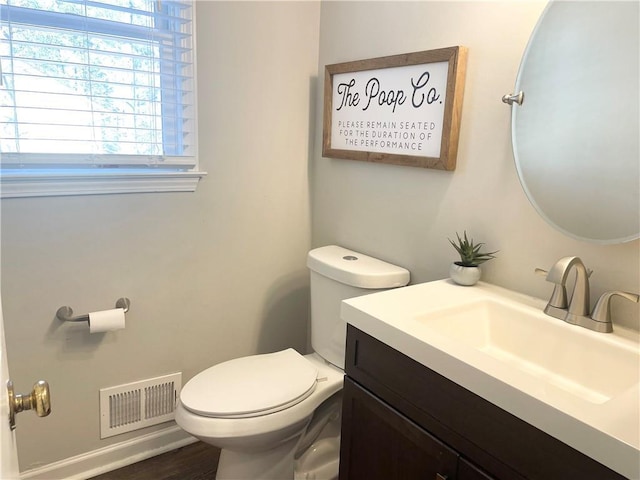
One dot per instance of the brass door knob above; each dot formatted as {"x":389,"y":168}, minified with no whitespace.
{"x":38,"y":400}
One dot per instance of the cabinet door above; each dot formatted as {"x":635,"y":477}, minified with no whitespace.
{"x":379,"y":443}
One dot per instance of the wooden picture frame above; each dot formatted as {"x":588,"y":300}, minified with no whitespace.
{"x":401,"y":109}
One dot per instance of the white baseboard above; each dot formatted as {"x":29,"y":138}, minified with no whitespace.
{"x":90,"y":464}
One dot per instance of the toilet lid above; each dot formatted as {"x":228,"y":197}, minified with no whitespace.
{"x":250,"y":386}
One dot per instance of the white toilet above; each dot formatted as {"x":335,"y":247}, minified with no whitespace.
{"x":277,"y":415}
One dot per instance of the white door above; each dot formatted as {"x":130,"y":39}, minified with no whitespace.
{"x":8,"y":450}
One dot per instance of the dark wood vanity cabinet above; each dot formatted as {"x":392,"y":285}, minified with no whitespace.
{"x":384,"y":444}
{"x":401,"y":420}
{"x":407,"y":450}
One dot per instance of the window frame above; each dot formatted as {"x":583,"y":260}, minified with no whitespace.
{"x":34,"y":175}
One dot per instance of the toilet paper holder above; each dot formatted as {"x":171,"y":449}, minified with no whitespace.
{"x":65,"y":314}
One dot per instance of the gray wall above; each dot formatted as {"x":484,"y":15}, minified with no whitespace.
{"x":404,"y":214}
{"x":211,"y":275}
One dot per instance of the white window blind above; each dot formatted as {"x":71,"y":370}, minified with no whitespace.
{"x":97,"y":83}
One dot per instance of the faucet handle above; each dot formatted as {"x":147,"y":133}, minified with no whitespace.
{"x":602,"y":310}
{"x":543,"y":273}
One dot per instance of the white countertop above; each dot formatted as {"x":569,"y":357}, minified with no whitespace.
{"x":608,"y":431}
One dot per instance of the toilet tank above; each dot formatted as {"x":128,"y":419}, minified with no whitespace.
{"x":338,"y":274}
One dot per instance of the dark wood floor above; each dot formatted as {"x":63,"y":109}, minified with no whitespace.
{"x":197,"y":461}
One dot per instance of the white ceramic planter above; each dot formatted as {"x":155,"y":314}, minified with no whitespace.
{"x":464,"y":275}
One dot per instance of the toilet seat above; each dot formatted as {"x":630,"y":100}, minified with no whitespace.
{"x":251,"y":386}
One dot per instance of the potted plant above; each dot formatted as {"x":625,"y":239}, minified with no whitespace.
{"x":467,"y":270}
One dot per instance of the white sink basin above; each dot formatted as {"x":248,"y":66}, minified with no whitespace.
{"x":589,"y":366}
{"x":580,"y":386}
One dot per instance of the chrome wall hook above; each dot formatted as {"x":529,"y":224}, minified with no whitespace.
{"x":513,"y":98}
{"x":65,"y":314}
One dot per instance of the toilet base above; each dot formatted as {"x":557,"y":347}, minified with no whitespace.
{"x":274,"y":464}
{"x":313,"y":454}
{"x":320,"y":462}
{"x":320,"y":459}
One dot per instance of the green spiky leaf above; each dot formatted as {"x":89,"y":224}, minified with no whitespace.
{"x":471,"y":255}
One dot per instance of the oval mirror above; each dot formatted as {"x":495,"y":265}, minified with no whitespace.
{"x":575,"y":135}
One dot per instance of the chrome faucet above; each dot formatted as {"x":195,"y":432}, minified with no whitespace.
{"x":557,"y":306}
{"x":577,"y":311}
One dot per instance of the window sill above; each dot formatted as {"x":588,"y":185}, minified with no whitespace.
{"x":23,"y":184}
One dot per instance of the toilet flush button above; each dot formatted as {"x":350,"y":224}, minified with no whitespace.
{"x":349,"y":257}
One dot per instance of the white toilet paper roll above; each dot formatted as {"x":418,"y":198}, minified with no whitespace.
{"x":106,"y":320}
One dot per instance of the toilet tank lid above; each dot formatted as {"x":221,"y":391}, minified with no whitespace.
{"x":355,"y":269}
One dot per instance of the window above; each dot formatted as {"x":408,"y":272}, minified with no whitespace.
{"x":97,"y":96}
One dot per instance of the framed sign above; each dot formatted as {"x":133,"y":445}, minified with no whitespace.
{"x":402,"y":109}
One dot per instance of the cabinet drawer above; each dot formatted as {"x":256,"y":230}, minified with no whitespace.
{"x":495,"y":440}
